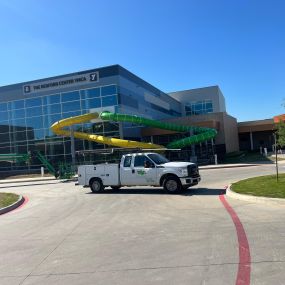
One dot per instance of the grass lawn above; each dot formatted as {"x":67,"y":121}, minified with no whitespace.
{"x":265,"y":186}
{"x":7,"y":199}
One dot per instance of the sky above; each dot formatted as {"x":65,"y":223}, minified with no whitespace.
{"x":238,"y":45}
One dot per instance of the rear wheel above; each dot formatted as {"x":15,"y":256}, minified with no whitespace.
{"x":172,"y":184}
{"x":96,"y":185}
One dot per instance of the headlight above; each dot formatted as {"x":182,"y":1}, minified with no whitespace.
{"x":184,"y":171}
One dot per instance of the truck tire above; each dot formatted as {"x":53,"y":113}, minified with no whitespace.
{"x":116,"y":187}
{"x":96,"y":185}
{"x":172,"y":184}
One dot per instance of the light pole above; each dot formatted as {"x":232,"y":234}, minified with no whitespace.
{"x":276,"y":160}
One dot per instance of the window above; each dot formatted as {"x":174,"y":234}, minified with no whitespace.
{"x":49,"y":120}
{"x":19,"y":122}
{"x":20,"y":136}
{"x":109,"y":101}
{"x":108,"y":90}
{"x":35,"y":122}
{"x":39,"y":134}
{"x":93,"y":103}
{"x":158,"y":159}
{"x":34,"y":102}
{"x":140,"y":160}
{"x":52,"y":99}
{"x":18,"y":114}
{"x":3,"y":116}
{"x":199,"y":107}
{"x":71,"y":114}
{"x":34,"y":112}
{"x":70,"y":106}
{"x":3,"y":107}
{"x":128,"y":161}
{"x":92,"y":93}
{"x":70,"y":96}
{"x":18,"y":104}
{"x":52,"y":109}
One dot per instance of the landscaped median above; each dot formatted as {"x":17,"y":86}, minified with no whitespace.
{"x":9,"y":202}
{"x":262,"y":188}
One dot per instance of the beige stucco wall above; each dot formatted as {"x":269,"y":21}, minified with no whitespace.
{"x":231,"y":133}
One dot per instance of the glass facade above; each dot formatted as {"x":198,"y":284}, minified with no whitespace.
{"x":25,"y":124}
{"x":199,"y":107}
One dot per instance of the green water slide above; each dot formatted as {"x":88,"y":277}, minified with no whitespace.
{"x":46,"y":163}
{"x":200,"y":134}
{"x":26,"y":157}
{"x":18,"y":157}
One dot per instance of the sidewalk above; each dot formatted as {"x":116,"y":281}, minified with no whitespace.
{"x":34,"y":179}
{"x":213,"y":166}
{"x":228,"y":165}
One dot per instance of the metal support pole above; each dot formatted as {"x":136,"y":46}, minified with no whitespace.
{"x":72,"y":147}
{"x":276,"y":160}
{"x":251,"y":141}
{"x":193,"y":157}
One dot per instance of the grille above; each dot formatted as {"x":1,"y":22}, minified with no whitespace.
{"x":193,"y":170}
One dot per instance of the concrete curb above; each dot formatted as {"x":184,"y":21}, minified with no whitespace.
{"x":254,"y":199}
{"x":26,"y":180}
{"x":18,"y":203}
{"x":226,"y":166}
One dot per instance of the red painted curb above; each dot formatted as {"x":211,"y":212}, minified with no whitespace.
{"x":243,"y":275}
{"x":26,"y":200}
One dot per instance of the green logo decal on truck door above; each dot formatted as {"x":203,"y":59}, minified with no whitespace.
{"x":141,"y":172}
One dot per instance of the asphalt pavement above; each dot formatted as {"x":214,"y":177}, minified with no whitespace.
{"x":67,"y":235}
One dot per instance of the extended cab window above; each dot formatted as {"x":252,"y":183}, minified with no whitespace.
{"x":127,"y":161}
{"x":140,"y":161}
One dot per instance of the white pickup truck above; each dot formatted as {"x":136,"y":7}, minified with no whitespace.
{"x":140,"y":169}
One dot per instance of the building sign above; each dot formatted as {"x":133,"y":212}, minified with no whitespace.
{"x":64,"y":82}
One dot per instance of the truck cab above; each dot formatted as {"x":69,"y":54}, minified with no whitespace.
{"x":140,"y":169}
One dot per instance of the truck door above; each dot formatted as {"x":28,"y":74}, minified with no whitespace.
{"x":126,"y":171}
{"x":144,"y":171}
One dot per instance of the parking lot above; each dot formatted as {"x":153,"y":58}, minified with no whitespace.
{"x":67,"y":235}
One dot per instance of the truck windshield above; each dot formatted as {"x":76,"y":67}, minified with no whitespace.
{"x":157,"y":158}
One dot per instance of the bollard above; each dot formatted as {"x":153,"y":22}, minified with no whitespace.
{"x":42,"y":171}
{"x":216,"y":159}
{"x":265,"y":151}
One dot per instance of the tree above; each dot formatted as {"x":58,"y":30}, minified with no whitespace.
{"x":281,"y":133}
{"x":281,"y":129}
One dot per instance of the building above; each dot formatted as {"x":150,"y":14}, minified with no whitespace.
{"x":254,"y":135}
{"x":28,"y":109}
{"x":204,"y":107}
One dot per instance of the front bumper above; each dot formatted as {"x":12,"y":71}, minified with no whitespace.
{"x":190,"y":180}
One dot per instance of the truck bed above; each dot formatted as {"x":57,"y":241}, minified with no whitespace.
{"x":108,"y":173}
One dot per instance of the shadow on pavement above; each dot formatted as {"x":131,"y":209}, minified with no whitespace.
{"x":161,"y":191}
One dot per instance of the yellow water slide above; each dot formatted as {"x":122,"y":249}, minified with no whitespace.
{"x":59,"y":128}
{"x":201,"y":134}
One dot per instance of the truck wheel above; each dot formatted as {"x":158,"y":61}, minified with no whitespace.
{"x":172,"y":184}
{"x":96,"y":185}
{"x":116,"y":187}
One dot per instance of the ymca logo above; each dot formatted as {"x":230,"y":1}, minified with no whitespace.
{"x":27,"y":89}
{"x":94,"y":76}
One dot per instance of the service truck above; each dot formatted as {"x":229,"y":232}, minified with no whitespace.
{"x":140,"y":169}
